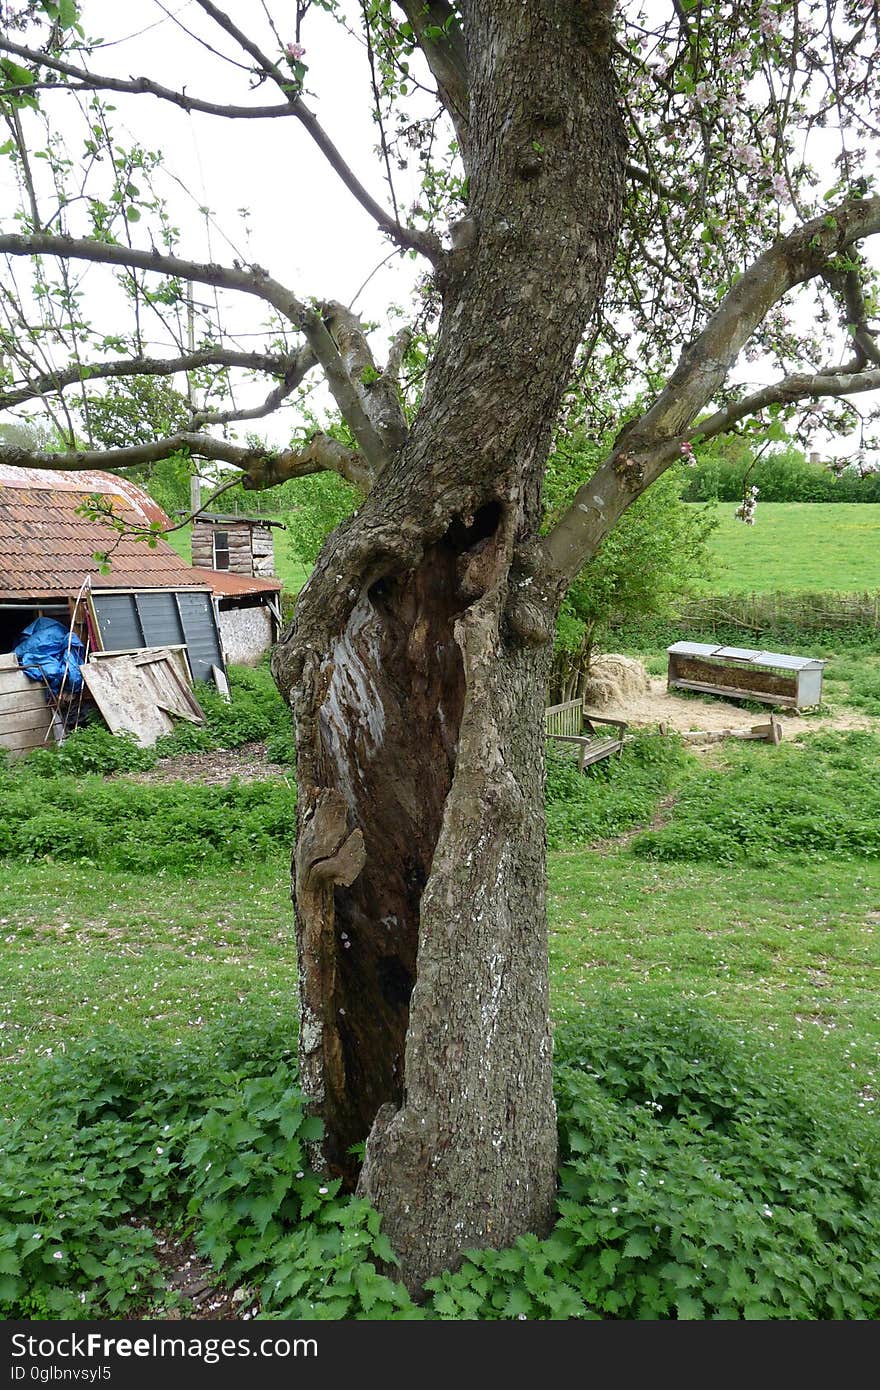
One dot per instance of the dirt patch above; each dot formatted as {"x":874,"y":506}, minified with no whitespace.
{"x":248,"y":764}
{"x":685,"y":713}
{"x":196,"y":1283}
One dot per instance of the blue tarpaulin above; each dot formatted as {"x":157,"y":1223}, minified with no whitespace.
{"x":48,"y":652}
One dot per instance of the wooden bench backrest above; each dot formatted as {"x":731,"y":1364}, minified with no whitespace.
{"x":564,"y":719}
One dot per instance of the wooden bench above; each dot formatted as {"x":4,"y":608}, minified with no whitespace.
{"x":572,"y":723}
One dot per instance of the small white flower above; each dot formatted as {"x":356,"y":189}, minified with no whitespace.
{"x":323,"y":1191}
{"x":159,"y":1149}
{"x":57,"y":1254}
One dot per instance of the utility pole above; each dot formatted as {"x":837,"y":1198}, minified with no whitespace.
{"x":195,"y":482}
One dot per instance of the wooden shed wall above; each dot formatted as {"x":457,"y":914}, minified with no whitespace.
{"x":240,"y":549}
{"x":25,"y":716}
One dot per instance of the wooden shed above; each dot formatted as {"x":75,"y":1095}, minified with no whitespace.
{"x":239,"y":544}
{"x":49,"y":567}
{"x":743,"y":673}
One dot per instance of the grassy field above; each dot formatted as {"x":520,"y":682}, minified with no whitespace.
{"x":788,"y":953}
{"x":797,"y":546}
{"x":715,"y":964}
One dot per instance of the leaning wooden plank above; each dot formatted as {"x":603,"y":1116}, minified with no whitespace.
{"x":12,"y":681}
{"x":176,"y":685}
{"x":729,"y":692}
{"x":125,"y":703}
{"x":159,"y":680}
{"x":221,"y":683}
{"x":179,"y":675}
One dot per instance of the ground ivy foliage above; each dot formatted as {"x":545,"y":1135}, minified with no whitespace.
{"x":694,"y":1183}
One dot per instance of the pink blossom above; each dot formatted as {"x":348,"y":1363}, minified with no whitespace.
{"x":746,"y":155}
{"x":780,"y":187}
{"x":295,"y":51}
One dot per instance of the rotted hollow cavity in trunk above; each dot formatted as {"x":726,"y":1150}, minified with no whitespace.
{"x":389,"y":727}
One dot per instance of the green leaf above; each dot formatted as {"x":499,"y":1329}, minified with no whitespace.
{"x":311,"y":1127}
{"x":132,"y":215}
{"x":9,"y":1288}
{"x":290,"y":1122}
{"x":638,"y":1247}
{"x":518,"y":1301}
{"x":689,"y":1308}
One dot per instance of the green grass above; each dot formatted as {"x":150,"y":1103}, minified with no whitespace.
{"x":85,"y":950}
{"x":790,"y":954}
{"x":796,"y":547}
{"x":718,"y":1056}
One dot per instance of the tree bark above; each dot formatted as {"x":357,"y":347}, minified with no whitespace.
{"x":416,"y":667}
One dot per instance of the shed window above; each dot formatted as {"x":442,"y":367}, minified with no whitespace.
{"x":221,"y":550}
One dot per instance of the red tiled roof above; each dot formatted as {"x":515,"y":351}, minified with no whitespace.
{"x":226,"y":584}
{"x":47,"y":550}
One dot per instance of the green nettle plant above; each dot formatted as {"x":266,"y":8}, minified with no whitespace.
{"x":611,"y":205}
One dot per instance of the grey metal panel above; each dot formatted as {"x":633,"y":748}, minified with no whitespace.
{"x":737,"y":653}
{"x":790,"y":663}
{"x":159,"y":619}
{"x":748,"y":655}
{"x":117,"y":621}
{"x":690,"y":649}
{"x":200,"y":633}
{"x":809,"y":688}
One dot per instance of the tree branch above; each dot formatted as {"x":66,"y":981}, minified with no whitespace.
{"x":262,"y":468}
{"x":251,"y":280}
{"x":848,"y":285}
{"x":137,"y":86}
{"x":797,"y":387}
{"x":647,"y":447}
{"x":377,"y":390}
{"x":424,"y":242}
{"x":141,"y":366}
{"x":297,"y":368}
{"x":446,"y":57}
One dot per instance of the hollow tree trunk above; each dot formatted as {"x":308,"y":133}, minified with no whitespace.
{"x":416,"y":668}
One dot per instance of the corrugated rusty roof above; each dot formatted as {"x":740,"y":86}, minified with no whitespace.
{"x":86,"y":481}
{"x":47,"y":550}
{"x":226,"y":584}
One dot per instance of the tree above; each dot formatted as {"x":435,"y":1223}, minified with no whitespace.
{"x":654,"y":556}
{"x":598,"y":181}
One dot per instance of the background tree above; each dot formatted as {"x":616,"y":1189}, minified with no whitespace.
{"x":631,"y":204}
